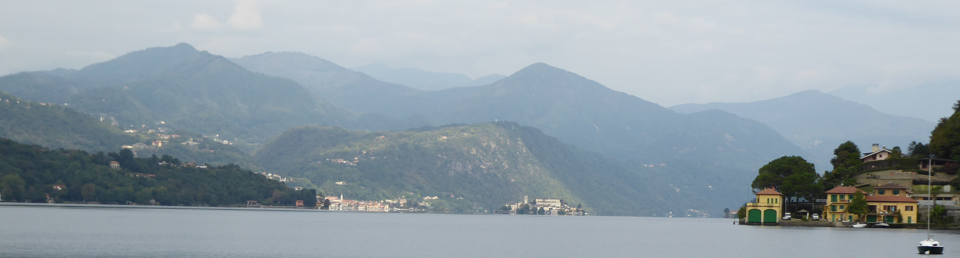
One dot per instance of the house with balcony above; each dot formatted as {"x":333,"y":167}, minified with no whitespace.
{"x":887,"y":203}
{"x":768,"y":208}
{"x":838,"y":199}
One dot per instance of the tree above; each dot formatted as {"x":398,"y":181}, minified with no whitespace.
{"x":842,"y":154}
{"x":726,"y":212}
{"x":791,"y":175}
{"x":89,"y":192}
{"x":896,"y":152}
{"x":918,"y":150}
{"x":326,"y":204}
{"x":846,"y":162}
{"x":936,"y":214}
{"x":945,"y":138}
{"x":541,"y":211}
{"x":858,"y":205}
{"x":524,"y":209}
{"x":13,"y":187}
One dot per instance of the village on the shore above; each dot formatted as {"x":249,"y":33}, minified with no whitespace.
{"x":888,"y":190}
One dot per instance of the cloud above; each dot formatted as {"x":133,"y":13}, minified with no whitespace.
{"x":246,"y":16}
{"x":4,"y":42}
{"x":205,"y":22}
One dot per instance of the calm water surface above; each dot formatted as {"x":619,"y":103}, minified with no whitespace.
{"x":104,"y":232}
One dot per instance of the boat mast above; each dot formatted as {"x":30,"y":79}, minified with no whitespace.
{"x":929,"y":193}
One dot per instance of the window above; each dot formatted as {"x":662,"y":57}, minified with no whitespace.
{"x":851,"y":197}
{"x":881,"y":191}
{"x":908,"y":208}
{"x":833,"y":208}
{"x":833,"y":198}
{"x":841,"y":207}
{"x":842,"y":197}
{"x":896,"y":192}
{"x":890,"y":208}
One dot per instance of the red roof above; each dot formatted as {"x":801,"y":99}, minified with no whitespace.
{"x":844,"y":190}
{"x":891,"y":186}
{"x":890,"y":199}
{"x":770,"y":191}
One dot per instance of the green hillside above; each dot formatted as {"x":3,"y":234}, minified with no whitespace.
{"x":31,"y":173}
{"x":486,"y":164}
{"x":58,"y":126}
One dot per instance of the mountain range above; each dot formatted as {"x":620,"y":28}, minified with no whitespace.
{"x":582,"y":141}
{"x":191,"y":90}
{"x":819,"y":122}
{"x":929,"y":101}
{"x":423,"y":80}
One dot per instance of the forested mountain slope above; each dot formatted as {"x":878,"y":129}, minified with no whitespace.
{"x":57,"y":126}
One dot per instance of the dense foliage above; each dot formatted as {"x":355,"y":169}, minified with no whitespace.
{"x":32,"y":173}
{"x":792,"y":176}
{"x":945,"y":138}
{"x":846,"y":163}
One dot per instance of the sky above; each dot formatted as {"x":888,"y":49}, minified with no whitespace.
{"x":667,"y":52}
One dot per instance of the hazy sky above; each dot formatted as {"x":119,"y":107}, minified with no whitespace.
{"x":668,"y":52}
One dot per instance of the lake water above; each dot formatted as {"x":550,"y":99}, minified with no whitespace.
{"x":105,"y":232}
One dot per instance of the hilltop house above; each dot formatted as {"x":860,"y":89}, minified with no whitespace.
{"x":876,"y":153}
{"x":889,"y":203}
{"x":768,"y":208}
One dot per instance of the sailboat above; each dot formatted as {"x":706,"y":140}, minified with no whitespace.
{"x":929,"y":245}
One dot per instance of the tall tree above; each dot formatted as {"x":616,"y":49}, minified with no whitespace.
{"x":945,"y":138}
{"x":791,"y":175}
{"x":846,"y":161}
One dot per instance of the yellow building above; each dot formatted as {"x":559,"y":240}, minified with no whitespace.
{"x":767,"y":209}
{"x":838,"y":199}
{"x":888,"y":203}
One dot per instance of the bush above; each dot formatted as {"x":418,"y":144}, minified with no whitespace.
{"x":951,"y":168}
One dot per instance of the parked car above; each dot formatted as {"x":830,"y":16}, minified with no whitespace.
{"x":815,"y":216}
{"x":786,"y":216}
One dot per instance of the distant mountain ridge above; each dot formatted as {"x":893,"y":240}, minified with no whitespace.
{"x":196,"y":91}
{"x":928,"y":101}
{"x":819,"y":122}
{"x":424,"y":80}
{"x":344,"y":87}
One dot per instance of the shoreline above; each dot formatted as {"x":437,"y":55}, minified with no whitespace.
{"x":160,"y":207}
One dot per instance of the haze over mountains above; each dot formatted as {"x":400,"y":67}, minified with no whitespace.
{"x":423,"y":80}
{"x":192,"y":90}
{"x":819,"y":122}
{"x":281,"y":106}
{"x":929,"y":101}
